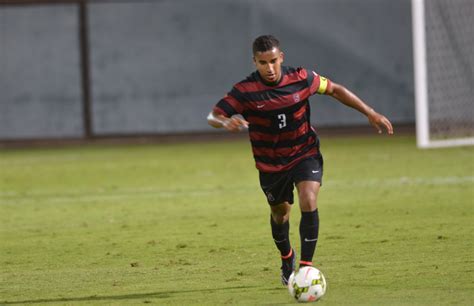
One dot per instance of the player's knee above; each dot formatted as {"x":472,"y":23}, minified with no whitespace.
{"x":280,"y":218}
{"x":281,"y":213}
{"x":308,"y":200}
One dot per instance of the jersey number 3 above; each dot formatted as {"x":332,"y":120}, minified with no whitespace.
{"x":282,"y":123}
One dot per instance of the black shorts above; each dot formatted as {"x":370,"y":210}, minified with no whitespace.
{"x":278,"y":186}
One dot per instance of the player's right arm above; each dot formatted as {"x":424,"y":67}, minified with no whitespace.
{"x":232,"y":124}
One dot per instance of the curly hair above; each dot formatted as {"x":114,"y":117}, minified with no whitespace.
{"x":265,"y":43}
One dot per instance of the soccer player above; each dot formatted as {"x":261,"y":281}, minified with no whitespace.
{"x":273,"y":104}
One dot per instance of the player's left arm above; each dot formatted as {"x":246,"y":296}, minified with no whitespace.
{"x":348,"y":98}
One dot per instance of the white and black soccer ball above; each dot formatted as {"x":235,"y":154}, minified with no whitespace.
{"x":307,"y":284}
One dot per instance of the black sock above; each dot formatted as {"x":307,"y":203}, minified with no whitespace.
{"x":280,"y":234}
{"x":309,"y":230}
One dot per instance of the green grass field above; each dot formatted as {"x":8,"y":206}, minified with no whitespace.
{"x":187,"y":224}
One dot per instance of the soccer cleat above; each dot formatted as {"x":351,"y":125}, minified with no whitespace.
{"x":287,"y":267}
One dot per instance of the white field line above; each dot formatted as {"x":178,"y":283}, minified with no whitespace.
{"x":159,"y":193}
{"x":405,"y":181}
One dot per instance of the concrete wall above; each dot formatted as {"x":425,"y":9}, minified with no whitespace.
{"x":40,"y":90}
{"x":160,"y":66}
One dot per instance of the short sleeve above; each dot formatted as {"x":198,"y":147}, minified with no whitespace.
{"x":231,"y":104}
{"x":317,"y":84}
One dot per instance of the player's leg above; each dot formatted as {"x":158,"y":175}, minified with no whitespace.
{"x":308,"y":177}
{"x":309,"y":224}
{"x":279,"y":221}
{"x":279,"y":191}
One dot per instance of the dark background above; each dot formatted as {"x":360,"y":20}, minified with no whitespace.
{"x":75,"y":69}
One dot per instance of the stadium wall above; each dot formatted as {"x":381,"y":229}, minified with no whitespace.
{"x":157,"y":67}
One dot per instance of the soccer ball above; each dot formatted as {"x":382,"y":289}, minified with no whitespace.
{"x":307,"y":284}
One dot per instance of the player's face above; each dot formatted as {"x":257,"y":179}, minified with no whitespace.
{"x":269,"y":64}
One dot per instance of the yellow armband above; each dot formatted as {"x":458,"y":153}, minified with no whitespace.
{"x":323,"y":84}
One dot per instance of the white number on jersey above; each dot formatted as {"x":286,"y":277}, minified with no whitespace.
{"x":282,"y":118}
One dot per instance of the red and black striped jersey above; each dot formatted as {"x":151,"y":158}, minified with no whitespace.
{"x":279,"y":116}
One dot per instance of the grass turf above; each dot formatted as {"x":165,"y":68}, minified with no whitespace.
{"x":187,"y":224}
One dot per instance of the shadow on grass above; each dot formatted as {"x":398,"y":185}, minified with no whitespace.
{"x":136,"y":296}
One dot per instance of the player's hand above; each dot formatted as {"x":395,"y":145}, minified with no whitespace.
{"x":235,"y":124}
{"x":378,"y":121}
